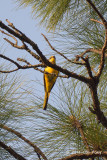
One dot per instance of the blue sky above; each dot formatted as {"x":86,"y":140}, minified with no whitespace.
{"x":22,"y":19}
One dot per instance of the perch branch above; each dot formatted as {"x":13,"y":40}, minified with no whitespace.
{"x":26,"y":66}
{"x":24,"y":38}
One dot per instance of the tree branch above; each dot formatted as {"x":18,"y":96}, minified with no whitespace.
{"x":11,"y":151}
{"x":36,"y":149}
{"x":87,"y":51}
{"x":87,"y":64}
{"x":94,"y":20}
{"x":86,"y":155}
{"x":93,"y":84}
{"x":10,"y":60}
{"x":24,"y":38}
{"x":97,"y":11}
{"x":55,"y":49}
{"x":96,"y":104}
{"x":19,"y":66}
{"x":101,"y":66}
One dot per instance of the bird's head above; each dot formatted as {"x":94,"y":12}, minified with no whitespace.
{"x":52,"y":59}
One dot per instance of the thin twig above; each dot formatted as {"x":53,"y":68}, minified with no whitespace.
{"x":97,"y":11}
{"x":87,"y":51}
{"x":13,"y":27}
{"x":14,"y":45}
{"x":24,"y":46}
{"x":10,"y":60}
{"x":9,"y":36}
{"x":55,"y":49}
{"x":94,"y":20}
{"x":9,"y":71}
{"x":27,"y":66}
{"x":23,"y":60}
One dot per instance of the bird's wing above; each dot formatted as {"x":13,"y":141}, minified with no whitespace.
{"x":49,"y":79}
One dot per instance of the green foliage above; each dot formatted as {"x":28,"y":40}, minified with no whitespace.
{"x":8,"y":88}
{"x":71,"y":21}
{"x":51,"y":11}
{"x":13,"y":102}
{"x":56,"y":132}
{"x":54,"y":12}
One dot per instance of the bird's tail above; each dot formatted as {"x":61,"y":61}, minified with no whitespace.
{"x":46,"y":100}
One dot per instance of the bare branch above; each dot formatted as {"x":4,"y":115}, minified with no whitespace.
{"x":14,"y":45}
{"x":11,"y":151}
{"x":97,"y":11}
{"x":87,"y":51}
{"x":23,"y":60}
{"x":13,"y":27}
{"x":55,"y":49}
{"x":94,"y":20}
{"x":9,"y":36}
{"x":12,"y":61}
{"x":96,"y":104}
{"x":36,"y":149}
{"x":24,"y":46}
{"x":101,"y":66}
{"x":26,"y":66}
{"x":87,"y":64}
{"x":32,"y":53}
{"x":18,"y":65}
{"x":24,"y":38}
{"x":86,"y":155}
{"x":9,"y":71}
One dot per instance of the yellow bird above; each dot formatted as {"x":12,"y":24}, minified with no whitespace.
{"x":49,"y":80}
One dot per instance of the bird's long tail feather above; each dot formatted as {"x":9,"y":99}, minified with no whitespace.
{"x":46,"y":100}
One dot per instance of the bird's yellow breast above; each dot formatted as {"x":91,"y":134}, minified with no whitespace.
{"x":50,"y":78}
